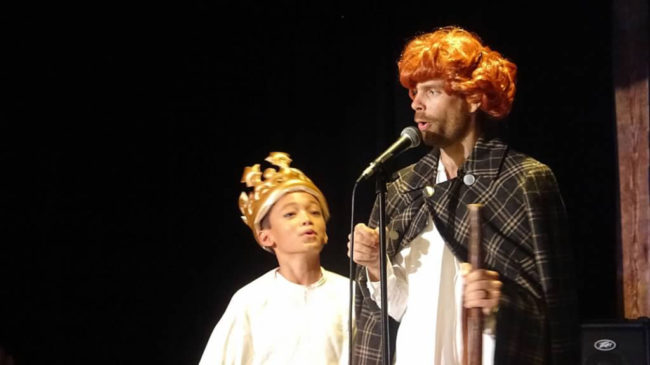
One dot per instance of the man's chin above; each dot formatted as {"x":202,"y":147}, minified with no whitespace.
{"x":432,"y":140}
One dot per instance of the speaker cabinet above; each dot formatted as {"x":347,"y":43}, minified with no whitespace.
{"x":616,"y":343}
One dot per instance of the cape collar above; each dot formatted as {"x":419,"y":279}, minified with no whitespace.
{"x":484,"y":161}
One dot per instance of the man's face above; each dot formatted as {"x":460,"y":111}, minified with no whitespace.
{"x":443,"y":119}
{"x":297,"y":225}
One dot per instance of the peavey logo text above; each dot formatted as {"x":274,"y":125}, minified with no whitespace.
{"x":604,"y":345}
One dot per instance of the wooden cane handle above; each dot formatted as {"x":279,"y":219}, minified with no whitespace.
{"x":475,"y":315}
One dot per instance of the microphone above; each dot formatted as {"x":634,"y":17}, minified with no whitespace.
{"x":409,"y":138}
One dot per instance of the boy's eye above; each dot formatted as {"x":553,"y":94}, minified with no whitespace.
{"x":289,"y":214}
{"x":316,"y":212}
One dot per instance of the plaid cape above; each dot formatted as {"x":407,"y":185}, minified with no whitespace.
{"x":524,"y":239}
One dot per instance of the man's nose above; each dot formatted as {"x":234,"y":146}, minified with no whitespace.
{"x":416,"y":104}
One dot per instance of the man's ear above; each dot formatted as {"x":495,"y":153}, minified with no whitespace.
{"x":266,"y":238}
{"x":474,"y":102}
{"x":473,"y":107}
{"x":325,"y":239}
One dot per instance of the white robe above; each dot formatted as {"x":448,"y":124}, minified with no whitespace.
{"x":425,"y":287}
{"x":274,"y":321}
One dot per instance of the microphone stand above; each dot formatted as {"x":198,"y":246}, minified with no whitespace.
{"x":380,"y":189}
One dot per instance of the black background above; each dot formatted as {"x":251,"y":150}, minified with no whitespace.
{"x":125,"y":130}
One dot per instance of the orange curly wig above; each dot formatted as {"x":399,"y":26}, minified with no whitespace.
{"x":468,"y":67}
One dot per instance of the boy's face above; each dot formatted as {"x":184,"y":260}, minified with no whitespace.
{"x":297,"y":225}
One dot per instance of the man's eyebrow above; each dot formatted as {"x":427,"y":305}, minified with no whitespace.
{"x":434,"y":85}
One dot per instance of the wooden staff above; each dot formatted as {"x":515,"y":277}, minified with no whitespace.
{"x":474,"y":316}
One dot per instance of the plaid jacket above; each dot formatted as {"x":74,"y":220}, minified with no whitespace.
{"x":524,"y":239}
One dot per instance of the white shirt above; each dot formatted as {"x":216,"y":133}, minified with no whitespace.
{"x":426,"y":295}
{"x":274,"y":321}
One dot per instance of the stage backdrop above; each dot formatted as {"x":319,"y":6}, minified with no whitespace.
{"x":127,"y":128}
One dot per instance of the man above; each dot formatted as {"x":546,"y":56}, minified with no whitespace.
{"x":296,"y":313}
{"x":458,"y":88}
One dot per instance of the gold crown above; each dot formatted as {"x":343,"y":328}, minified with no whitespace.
{"x":255,"y":204}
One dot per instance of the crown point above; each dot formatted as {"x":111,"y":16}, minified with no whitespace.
{"x":280,"y":159}
{"x":268,"y":173}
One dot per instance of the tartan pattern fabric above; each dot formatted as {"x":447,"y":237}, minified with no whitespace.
{"x":524,"y":239}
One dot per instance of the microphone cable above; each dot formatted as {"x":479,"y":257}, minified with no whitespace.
{"x":352,"y":279}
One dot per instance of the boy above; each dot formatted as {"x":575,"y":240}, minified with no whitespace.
{"x":296,"y":313}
